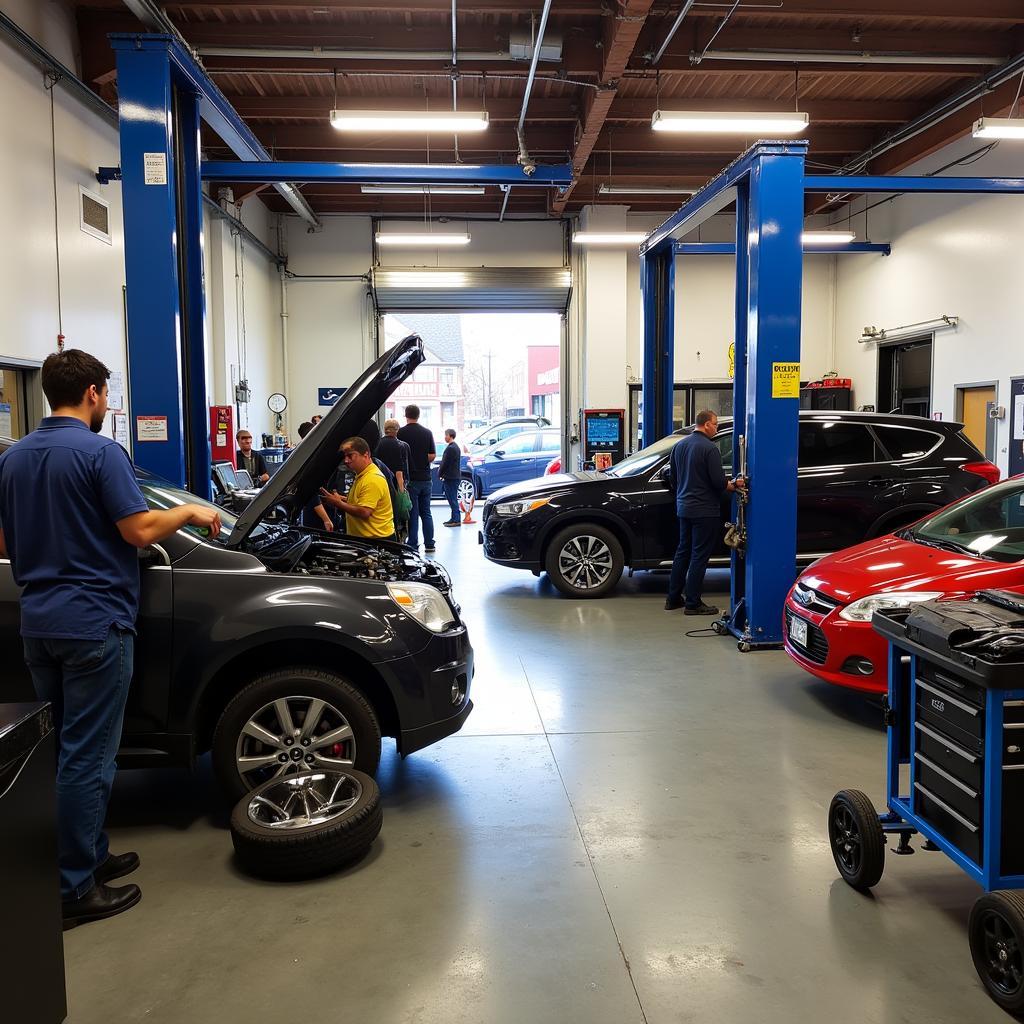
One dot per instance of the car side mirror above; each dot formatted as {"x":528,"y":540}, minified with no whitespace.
{"x":499,"y":454}
{"x":662,"y":475}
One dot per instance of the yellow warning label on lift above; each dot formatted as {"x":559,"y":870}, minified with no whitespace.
{"x":785,"y":380}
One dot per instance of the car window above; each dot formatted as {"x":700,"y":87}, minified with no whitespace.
{"x":550,"y":441}
{"x":835,"y":443}
{"x":907,"y":442}
{"x":160,"y":494}
{"x":989,"y":524}
{"x":645,"y":459}
{"x":724,"y":442}
{"x":519,"y":444}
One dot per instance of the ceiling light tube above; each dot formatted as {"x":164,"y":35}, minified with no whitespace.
{"x":420,"y":190}
{"x":609,"y":237}
{"x":729,"y":122}
{"x":999,"y":128}
{"x":644,"y":190}
{"x":416,"y":121}
{"x":422,"y":238}
{"x":827,"y":237}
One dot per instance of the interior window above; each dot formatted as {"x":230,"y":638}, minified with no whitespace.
{"x":520,"y":444}
{"x":906,"y":442}
{"x":835,"y":443}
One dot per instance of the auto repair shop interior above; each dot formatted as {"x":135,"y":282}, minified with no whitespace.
{"x":498,"y":776}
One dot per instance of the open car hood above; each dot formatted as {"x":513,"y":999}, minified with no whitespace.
{"x":316,"y":456}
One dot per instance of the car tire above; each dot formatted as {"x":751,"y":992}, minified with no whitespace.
{"x":597,"y":548}
{"x":252,"y":720}
{"x":306,"y":825}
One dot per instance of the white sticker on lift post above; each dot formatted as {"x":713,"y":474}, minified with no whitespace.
{"x":154,"y":168}
{"x":151,"y":428}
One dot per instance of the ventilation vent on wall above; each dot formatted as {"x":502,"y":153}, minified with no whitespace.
{"x":95,"y":218}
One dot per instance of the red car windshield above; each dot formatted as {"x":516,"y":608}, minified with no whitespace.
{"x":988,"y":524}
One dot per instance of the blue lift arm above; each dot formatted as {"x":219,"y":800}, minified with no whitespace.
{"x":859,"y":183}
{"x":729,"y":248}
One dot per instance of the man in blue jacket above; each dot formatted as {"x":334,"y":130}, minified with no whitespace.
{"x":700,"y":484}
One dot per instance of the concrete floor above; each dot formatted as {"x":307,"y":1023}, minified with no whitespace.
{"x":630,"y":828}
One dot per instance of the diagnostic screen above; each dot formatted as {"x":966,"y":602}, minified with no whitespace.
{"x":604,"y":430}
{"x":224,"y":474}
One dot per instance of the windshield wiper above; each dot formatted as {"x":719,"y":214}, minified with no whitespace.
{"x":944,"y":545}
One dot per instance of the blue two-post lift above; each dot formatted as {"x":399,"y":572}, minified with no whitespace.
{"x":767,"y":184}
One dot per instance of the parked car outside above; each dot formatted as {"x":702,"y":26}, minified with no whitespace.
{"x":517,"y":458}
{"x":975,"y":544}
{"x":861,"y":475}
{"x":281,"y":648}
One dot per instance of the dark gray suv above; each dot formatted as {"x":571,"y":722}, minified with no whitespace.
{"x":279,"y":647}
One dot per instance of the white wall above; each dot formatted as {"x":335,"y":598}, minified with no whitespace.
{"x":91,"y":271}
{"x":956,"y":255}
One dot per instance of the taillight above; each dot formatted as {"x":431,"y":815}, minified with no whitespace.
{"x":986,"y":470}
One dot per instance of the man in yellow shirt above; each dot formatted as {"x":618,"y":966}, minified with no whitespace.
{"x":367,"y":506}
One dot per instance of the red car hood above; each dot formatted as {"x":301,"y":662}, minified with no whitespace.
{"x":888,"y":564}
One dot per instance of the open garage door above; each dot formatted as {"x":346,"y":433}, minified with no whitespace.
{"x":423,"y":289}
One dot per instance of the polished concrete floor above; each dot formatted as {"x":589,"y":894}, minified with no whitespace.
{"x":629,"y":829}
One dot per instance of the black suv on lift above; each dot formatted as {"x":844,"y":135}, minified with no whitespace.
{"x":861,"y":475}
{"x":280,"y":647}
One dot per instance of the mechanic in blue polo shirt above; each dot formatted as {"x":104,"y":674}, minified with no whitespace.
{"x":71,"y":518}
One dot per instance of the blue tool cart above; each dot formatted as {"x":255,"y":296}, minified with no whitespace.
{"x":955,"y":768}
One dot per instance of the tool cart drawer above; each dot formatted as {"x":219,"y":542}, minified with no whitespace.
{"x":951,"y":714}
{"x":964,"y":765}
{"x":963,"y":799}
{"x":956,"y":827}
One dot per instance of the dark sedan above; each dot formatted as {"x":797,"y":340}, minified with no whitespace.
{"x":861,"y":475}
{"x":279,"y":647}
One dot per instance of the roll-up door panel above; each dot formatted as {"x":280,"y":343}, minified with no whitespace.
{"x":471,"y":288}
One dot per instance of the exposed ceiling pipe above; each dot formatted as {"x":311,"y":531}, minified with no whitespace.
{"x":335,"y":53}
{"x":524,"y":157}
{"x":947,"y":107}
{"x":455,"y":78}
{"x":154,"y":18}
{"x":672,"y":31}
{"x":842,"y":57}
{"x":507,"y":189}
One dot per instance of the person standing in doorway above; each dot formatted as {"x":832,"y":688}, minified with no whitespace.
{"x":422,"y":452}
{"x":252,"y":462}
{"x":450,"y":474}
{"x":394,"y":453}
{"x":71,"y":518}
{"x":700,"y":483}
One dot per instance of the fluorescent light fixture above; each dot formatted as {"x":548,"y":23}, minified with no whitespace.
{"x":409,"y":120}
{"x":999,"y":128}
{"x":609,"y":237}
{"x":427,"y":238}
{"x":644,"y":190}
{"x":726,"y":122}
{"x":827,"y":237}
{"x":422,"y":190}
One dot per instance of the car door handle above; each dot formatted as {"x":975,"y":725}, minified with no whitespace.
{"x":878,"y":481}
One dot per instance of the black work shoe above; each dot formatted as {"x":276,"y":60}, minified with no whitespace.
{"x":454,"y":522}
{"x":116,"y":867}
{"x":672,"y":603}
{"x":99,"y":902}
{"x":430,"y":549}
{"x":701,"y":609}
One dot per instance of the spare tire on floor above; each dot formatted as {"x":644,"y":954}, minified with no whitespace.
{"x":301,"y":826}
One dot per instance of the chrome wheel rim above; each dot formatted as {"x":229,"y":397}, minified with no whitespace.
{"x":300,"y":801}
{"x":467,"y":492}
{"x":585,"y":562}
{"x":292,"y":735}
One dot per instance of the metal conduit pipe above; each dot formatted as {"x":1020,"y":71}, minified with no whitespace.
{"x":336,"y":53}
{"x":524,"y":156}
{"x":153,"y":17}
{"x":236,"y":225}
{"x":958,"y":101}
{"x":841,"y":57}
{"x":672,"y":31}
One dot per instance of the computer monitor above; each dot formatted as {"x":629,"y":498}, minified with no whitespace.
{"x":243,"y":480}
{"x":224,"y":476}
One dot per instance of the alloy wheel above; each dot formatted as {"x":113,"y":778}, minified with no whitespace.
{"x":847,"y":839}
{"x":300,"y":801}
{"x":292,"y":735}
{"x":585,"y":562}
{"x":467,"y":493}
{"x":1001,"y":954}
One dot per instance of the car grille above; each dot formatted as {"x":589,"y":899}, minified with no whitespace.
{"x":817,"y":644}
{"x":813,"y":600}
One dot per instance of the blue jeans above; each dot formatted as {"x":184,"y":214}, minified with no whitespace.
{"x":696,"y":542}
{"x":451,"y":492}
{"x":419,"y":491}
{"x":86,"y":682}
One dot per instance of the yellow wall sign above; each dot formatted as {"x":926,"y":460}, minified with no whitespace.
{"x":785,"y":380}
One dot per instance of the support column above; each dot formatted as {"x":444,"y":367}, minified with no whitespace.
{"x":657,"y":282}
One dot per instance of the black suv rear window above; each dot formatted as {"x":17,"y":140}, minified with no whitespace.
{"x":906,"y":442}
{"x":835,"y":443}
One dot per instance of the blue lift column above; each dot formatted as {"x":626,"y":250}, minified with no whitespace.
{"x":657,"y":284}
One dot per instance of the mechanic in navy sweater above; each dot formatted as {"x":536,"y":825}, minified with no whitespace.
{"x":699,"y":480}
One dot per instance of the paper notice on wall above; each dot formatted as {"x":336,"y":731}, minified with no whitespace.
{"x":151,"y":428}
{"x":154,"y":168}
{"x":120,"y":429}
{"x":115,"y":391}
{"x":5,"y":419}
{"x":1018,"y":417}
{"x":785,"y":380}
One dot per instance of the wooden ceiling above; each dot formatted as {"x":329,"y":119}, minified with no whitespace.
{"x":865,"y":68}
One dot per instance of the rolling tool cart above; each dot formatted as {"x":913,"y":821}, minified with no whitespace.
{"x":955,"y":718}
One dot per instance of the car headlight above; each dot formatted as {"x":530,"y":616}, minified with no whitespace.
{"x":424,"y":604}
{"x":519,"y":508}
{"x":862,"y":610}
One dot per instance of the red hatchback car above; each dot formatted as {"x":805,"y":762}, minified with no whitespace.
{"x":974,"y":544}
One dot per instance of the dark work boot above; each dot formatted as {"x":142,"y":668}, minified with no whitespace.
{"x":701,"y":609}
{"x":116,"y":867}
{"x":672,"y":603}
{"x":99,"y":902}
